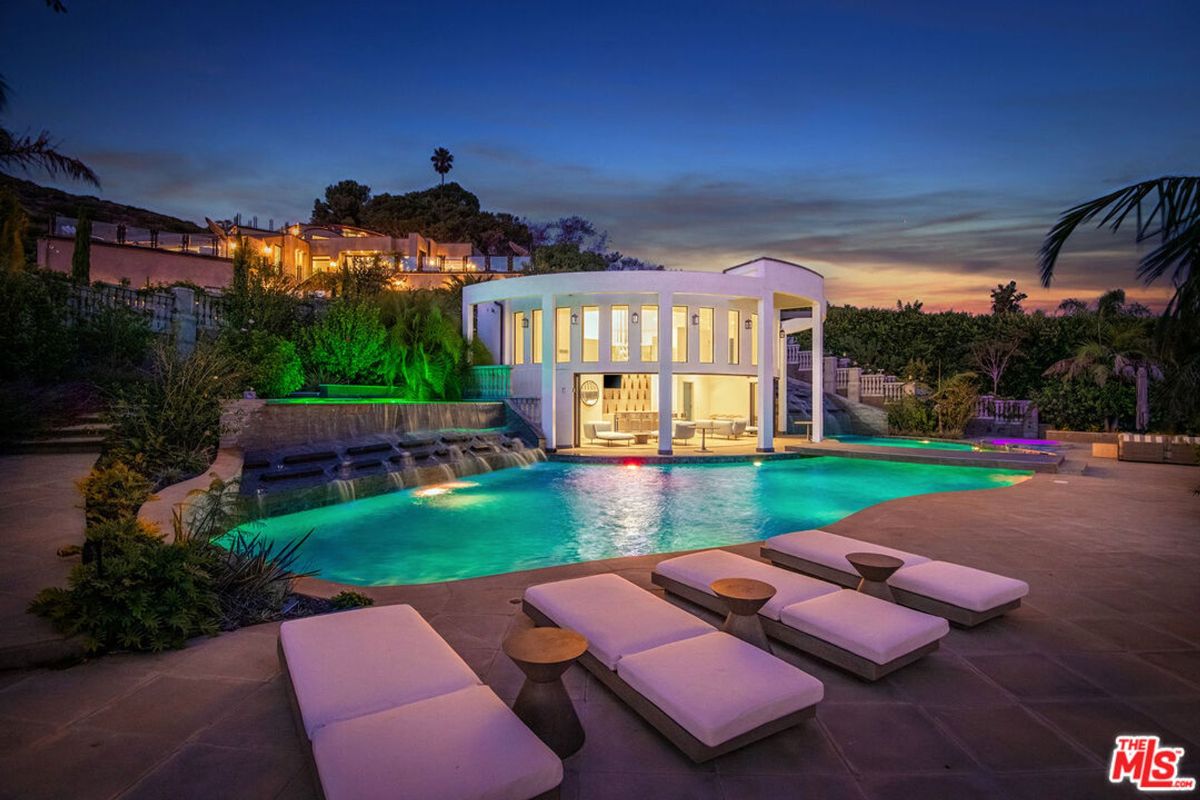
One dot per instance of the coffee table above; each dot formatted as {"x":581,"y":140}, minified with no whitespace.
{"x":744,"y":597}
{"x":875,"y":569}
{"x":641,"y":438}
{"x":543,"y":704}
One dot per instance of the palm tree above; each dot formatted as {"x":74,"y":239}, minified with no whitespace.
{"x":1121,"y":350}
{"x":38,"y":152}
{"x":1167,"y":210}
{"x":443,"y":162}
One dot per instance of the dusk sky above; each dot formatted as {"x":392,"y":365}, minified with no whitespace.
{"x":906,"y":150}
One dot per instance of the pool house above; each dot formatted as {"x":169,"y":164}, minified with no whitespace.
{"x":614,"y":358}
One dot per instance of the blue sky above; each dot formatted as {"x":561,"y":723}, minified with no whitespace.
{"x":905,"y":149}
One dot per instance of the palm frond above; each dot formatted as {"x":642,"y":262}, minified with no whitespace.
{"x":1167,"y":208}
{"x":40,"y":152}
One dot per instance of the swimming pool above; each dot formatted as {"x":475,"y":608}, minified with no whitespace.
{"x":896,"y":441}
{"x":557,"y":513}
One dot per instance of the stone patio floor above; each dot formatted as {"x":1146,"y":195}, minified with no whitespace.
{"x":1026,"y":706}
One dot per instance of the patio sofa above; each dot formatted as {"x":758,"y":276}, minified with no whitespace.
{"x":861,"y":634}
{"x":708,"y":692}
{"x":729,"y":428}
{"x":1142,"y":447}
{"x":390,"y":711}
{"x":963,"y":595}
{"x":1183,"y":450}
{"x":603,"y":432}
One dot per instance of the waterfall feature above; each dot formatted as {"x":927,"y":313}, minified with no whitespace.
{"x":837,"y":419}
{"x":361,"y":450}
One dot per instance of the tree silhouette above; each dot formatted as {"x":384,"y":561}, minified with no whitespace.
{"x":443,"y":162}
{"x":1006,"y":299}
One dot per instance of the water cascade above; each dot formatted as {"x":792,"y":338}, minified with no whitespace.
{"x":297,"y":477}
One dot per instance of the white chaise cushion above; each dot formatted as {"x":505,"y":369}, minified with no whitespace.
{"x":830,"y":549}
{"x":358,"y":662}
{"x":458,"y":746}
{"x":866,"y":626}
{"x":617,"y":617}
{"x":965,"y":587}
{"x":699,"y":570}
{"x":717,"y":686}
{"x":615,"y":436}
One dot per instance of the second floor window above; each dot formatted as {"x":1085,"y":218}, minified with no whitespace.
{"x":620,"y":333}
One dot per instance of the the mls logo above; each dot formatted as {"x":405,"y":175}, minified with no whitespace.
{"x":1142,"y":761}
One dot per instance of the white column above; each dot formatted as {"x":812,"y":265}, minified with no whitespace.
{"x":468,"y":320}
{"x":549,"y":392}
{"x":666,"y":374}
{"x":768,"y":343}
{"x":818,"y":372}
{"x":781,"y":369}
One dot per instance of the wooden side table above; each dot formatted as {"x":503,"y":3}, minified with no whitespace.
{"x":875,"y":569}
{"x":544,"y":654}
{"x":744,"y":597}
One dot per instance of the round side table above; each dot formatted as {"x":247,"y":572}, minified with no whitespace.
{"x":544,"y":654}
{"x":744,"y":597}
{"x":875,"y":569}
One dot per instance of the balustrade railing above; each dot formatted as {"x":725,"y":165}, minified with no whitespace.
{"x":489,"y":383}
{"x":799,"y":356}
{"x":997,"y":408}
{"x":842,"y":377}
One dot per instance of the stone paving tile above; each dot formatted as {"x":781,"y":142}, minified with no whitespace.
{"x":1077,"y":785}
{"x":1181,"y":716}
{"x":232,"y":655}
{"x":81,"y":764}
{"x":1009,"y":738}
{"x":1184,"y":664}
{"x":1126,"y":675}
{"x":261,"y":720}
{"x":465,"y":631}
{"x":805,"y":749}
{"x":932,"y":787}
{"x":16,"y":734}
{"x":789,"y":787}
{"x":62,"y":696}
{"x":173,"y":708}
{"x":618,"y":739}
{"x":1095,"y":724}
{"x":624,"y":785}
{"x":944,"y":679}
{"x":1128,"y":634}
{"x":893,"y":738}
{"x":203,"y":772}
{"x":1032,"y":676}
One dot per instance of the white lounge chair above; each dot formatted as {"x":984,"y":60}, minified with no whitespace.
{"x":683,"y":431}
{"x":730,"y":428}
{"x":603,"y":432}
{"x":859,"y":633}
{"x":390,"y":711}
{"x":1142,"y":447}
{"x":963,"y":595}
{"x":706,"y":691}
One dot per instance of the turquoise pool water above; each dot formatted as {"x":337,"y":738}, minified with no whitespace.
{"x":556,"y":513}
{"x":895,"y":441}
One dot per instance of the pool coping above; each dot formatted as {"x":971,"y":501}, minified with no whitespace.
{"x":985,"y":459}
{"x":687,"y":458}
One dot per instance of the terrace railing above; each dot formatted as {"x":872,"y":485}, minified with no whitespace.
{"x":799,"y":356}
{"x":489,"y":383}
{"x":997,"y":408}
{"x":179,"y":311}
{"x":842,"y":378}
{"x":199,"y":243}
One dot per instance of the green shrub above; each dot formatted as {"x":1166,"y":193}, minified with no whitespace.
{"x":113,"y":493}
{"x":138,"y":594}
{"x":349,"y":345}
{"x":36,"y":342}
{"x":954,"y":403}
{"x":911,"y":416}
{"x":347,"y":600}
{"x":167,"y":425}
{"x":270,"y":363}
{"x":114,"y":341}
{"x":1079,"y":404}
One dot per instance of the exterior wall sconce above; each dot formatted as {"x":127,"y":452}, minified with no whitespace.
{"x":634,"y":318}
{"x":525,"y":322}
{"x":695,"y":319}
{"x":747,"y":325}
{"x":574,"y":318}
{"x":782,"y":335}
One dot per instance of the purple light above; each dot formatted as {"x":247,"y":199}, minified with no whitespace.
{"x":1024,"y":442}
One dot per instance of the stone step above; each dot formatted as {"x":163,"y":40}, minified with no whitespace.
{"x":94,"y":428}
{"x":52,"y":443}
{"x":1072,"y":466}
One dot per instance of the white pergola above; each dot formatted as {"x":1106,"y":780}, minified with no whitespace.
{"x":773,"y":286}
